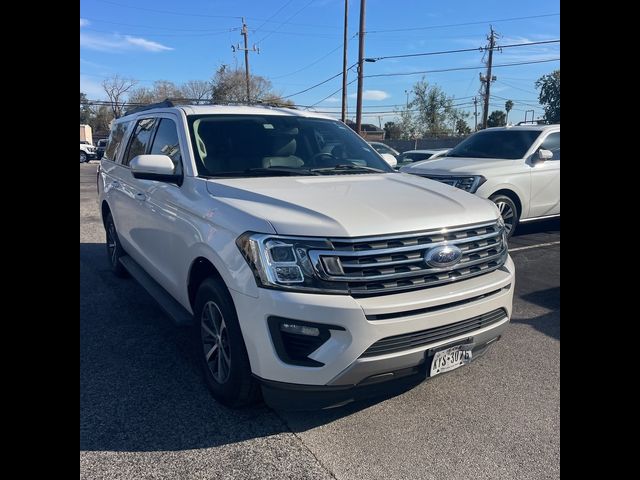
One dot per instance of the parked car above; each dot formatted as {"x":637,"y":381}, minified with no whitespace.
{"x":386,"y":152}
{"x":100,"y":148}
{"x":518,"y":168}
{"x":412,"y":156}
{"x":309,"y":269}
{"x":87,"y":151}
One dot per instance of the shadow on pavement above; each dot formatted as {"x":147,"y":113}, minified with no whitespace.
{"x":140,"y":383}
{"x":548,"y":323}
{"x":542,"y":226}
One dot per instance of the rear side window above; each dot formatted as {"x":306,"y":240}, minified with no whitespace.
{"x":166,"y":143}
{"x":140,"y":140}
{"x":552,"y":142}
{"x":118,"y":132}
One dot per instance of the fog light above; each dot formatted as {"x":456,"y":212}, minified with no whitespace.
{"x":300,"y":329}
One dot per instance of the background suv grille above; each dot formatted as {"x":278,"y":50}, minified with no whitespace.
{"x":407,"y":341}
{"x":389,"y":264}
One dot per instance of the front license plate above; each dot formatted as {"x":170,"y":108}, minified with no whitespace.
{"x":450,"y":359}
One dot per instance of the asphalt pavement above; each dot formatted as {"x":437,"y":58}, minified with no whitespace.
{"x":146,"y":413}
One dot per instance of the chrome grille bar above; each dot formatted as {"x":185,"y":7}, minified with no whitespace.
{"x":394,"y":263}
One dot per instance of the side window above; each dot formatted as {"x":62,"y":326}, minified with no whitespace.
{"x":140,"y":140}
{"x":552,"y":142}
{"x":118,"y":132}
{"x":166,"y":143}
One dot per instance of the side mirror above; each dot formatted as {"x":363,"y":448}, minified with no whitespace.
{"x":154,"y":167}
{"x":390,"y":159}
{"x":543,"y":155}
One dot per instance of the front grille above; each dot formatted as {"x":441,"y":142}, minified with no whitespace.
{"x":390,"y":264}
{"x":407,"y":341}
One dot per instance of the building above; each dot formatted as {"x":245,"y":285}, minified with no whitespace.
{"x":369,"y":131}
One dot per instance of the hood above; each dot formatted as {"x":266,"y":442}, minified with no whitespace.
{"x":462,"y":165}
{"x":352,"y":205}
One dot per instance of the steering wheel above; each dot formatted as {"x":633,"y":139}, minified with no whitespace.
{"x":332,"y":158}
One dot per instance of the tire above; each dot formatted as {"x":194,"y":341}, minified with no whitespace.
{"x":83,"y":157}
{"x":114,"y":248}
{"x":509,"y":212}
{"x":221,"y":349}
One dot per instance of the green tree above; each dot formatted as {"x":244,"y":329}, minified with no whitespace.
{"x":549,"y":96}
{"x":497,"y":118}
{"x":392,"y":130}
{"x":434,"y":108}
{"x":508,"y":105}
{"x":462,"y":128}
{"x":100,"y":122}
{"x":86,"y":113}
{"x":230,"y":86}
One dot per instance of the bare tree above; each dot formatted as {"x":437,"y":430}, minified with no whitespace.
{"x":116,"y":89}
{"x":197,"y":91}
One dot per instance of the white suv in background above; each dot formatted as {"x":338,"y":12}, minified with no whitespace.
{"x":87,"y":151}
{"x":518,"y":168}
{"x":310,"y":270}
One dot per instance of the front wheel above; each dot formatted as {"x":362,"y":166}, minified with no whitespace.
{"x":83,"y":157}
{"x":508,"y":211}
{"x":222,"y":350}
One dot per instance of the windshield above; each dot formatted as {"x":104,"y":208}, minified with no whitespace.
{"x":507,"y":144}
{"x":264,"y":145}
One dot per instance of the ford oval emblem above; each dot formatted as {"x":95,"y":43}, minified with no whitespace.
{"x":444,"y":256}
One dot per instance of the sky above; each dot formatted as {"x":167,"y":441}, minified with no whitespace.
{"x":300,"y":45}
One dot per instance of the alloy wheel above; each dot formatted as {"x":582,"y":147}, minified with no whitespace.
{"x":508,"y":215}
{"x":112,"y":243}
{"x":215,"y":342}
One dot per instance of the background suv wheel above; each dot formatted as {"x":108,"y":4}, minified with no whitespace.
{"x":509,"y":212}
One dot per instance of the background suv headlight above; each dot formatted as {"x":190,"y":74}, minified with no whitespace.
{"x":283,"y":262}
{"x":469,"y":183}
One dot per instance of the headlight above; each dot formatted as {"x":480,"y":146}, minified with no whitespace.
{"x":283,"y":262}
{"x":468,"y":184}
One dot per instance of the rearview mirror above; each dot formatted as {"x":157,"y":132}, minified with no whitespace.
{"x":154,"y":167}
{"x":544,"y":155}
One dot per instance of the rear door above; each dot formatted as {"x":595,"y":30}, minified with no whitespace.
{"x":545,"y":179}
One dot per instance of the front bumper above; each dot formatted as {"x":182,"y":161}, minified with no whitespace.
{"x":365,"y":322}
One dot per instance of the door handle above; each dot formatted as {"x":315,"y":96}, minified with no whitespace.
{"x":141,"y":197}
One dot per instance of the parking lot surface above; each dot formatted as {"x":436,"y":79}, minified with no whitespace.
{"x":145,"y":411}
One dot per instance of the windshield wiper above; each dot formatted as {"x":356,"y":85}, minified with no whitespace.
{"x":349,"y":167}
{"x":268,"y":172}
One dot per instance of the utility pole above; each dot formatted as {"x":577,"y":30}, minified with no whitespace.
{"x":475,"y":115}
{"x":407,"y":93}
{"x":344,"y":63}
{"x":245,"y":33}
{"x":360,"y":67}
{"x":380,"y":121}
{"x":489,"y":78}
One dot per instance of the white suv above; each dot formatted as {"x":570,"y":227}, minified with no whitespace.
{"x":518,"y":168}
{"x":311,"y":270}
{"x":87,"y":151}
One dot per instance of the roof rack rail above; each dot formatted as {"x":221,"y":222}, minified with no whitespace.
{"x":532,"y":122}
{"x":164,"y":104}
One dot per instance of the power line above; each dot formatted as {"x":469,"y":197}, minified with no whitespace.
{"x":219,"y":32}
{"x":285,"y":22}
{"x":517,"y":88}
{"x":442,"y":52}
{"x":276,"y":13}
{"x":318,"y":84}
{"x":460,"y":68}
{"x":153,"y":27}
{"x":203,"y":15}
{"x":463,"y":24}
{"x":314,"y":62}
